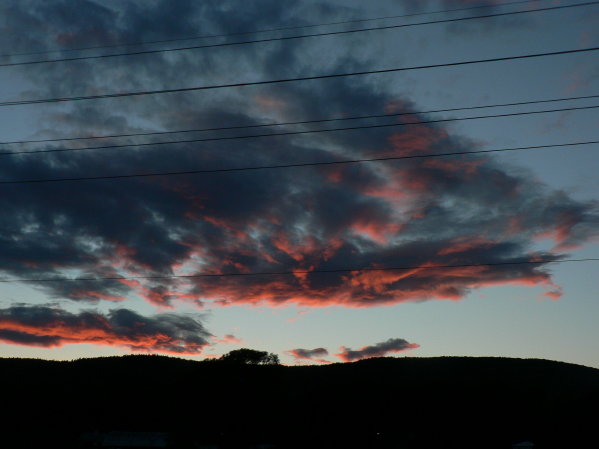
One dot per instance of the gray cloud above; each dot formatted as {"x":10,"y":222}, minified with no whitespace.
{"x":316,"y":354}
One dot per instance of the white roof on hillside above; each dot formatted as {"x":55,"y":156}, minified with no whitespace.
{"x":135,"y":439}
{"x":523,"y":444}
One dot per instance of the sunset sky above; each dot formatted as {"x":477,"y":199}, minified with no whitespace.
{"x":137,"y":240}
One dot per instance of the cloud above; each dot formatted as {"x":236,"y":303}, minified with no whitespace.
{"x":421,"y":212}
{"x":391,"y":346}
{"x":229,"y":339}
{"x":52,"y":327}
{"x":315,"y":355}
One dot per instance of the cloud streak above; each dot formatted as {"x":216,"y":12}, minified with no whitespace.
{"x":52,"y":327}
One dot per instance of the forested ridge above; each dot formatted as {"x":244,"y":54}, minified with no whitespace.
{"x":384,"y":402}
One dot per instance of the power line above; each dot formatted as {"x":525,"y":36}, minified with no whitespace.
{"x":333,"y":119}
{"x":283,"y":273}
{"x":291,"y":133}
{"x":303,"y":78}
{"x":206,"y":36}
{"x":303,"y":164}
{"x":284,"y":38}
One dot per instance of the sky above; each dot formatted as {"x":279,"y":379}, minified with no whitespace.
{"x":478,"y":237}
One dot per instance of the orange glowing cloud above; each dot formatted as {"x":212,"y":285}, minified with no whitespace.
{"x":366,"y":288}
{"x":463,"y":244}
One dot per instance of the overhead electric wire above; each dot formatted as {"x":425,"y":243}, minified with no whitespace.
{"x":296,"y":165}
{"x":303,"y":78}
{"x":292,"y":133}
{"x":303,"y":122}
{"x":284,"y":38}
{"x":291,"y":273}
{"x":297,"y":27}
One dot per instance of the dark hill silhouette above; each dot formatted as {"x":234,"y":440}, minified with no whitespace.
{"x":446,"y":402}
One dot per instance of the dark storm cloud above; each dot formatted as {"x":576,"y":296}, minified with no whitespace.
{"x":475,"y":8}
{"x":459,"y":210}
{"x":393,"y":345}
{"x":470,"y":3}
{"x":51,"y":327}
{"x":472,"y":8}
{"x":428,"y":5}
{"x":315,"y":355}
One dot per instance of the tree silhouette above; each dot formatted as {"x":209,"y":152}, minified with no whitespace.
{"x":245,"y":356}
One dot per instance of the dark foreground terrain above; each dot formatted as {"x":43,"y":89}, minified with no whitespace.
{"x":407,"y":403}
